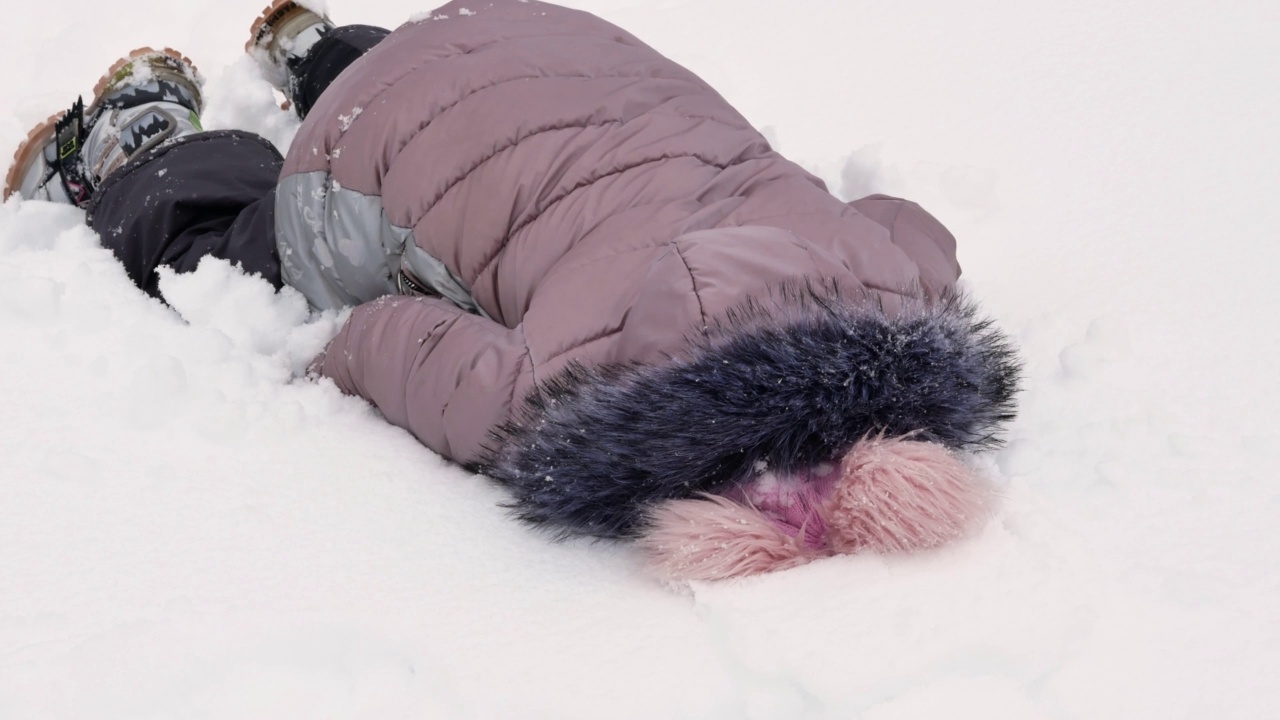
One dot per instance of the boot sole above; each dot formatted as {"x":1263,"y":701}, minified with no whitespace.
{"x":35,"y":142}
{"x":41,"y":133}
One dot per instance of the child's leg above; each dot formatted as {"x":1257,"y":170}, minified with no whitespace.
{"x":326,"y":60}
{"x":209,"y":194}
{"x":158,"y":190}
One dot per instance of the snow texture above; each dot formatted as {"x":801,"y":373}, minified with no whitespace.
{"x":188,"y":529}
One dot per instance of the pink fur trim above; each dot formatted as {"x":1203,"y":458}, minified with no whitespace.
{"x":903,"y":495}
{"x":716,"y":538}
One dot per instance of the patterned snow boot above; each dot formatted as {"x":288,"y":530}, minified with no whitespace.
{"x":280,"y":38}
{"x":147,"y":98}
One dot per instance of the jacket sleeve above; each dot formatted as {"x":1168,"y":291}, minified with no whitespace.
{"x":447,"y":376}
{"x":925,"y":240}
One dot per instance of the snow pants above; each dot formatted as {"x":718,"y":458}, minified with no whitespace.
{"x":213,"y":193}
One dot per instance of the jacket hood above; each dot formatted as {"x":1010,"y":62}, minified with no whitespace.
{"x":785,"y":382}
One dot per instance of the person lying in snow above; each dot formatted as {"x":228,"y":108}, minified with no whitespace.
{"x":578,"y":271}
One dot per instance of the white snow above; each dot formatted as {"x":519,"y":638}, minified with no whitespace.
{"x":189,"y":529}
{"x":344,"y":121}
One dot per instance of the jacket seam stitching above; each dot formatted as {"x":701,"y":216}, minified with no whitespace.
{"x":533,"y":367}
{"x":583,"y":343}
{"x":497,"y":252}
{"x":556,"y":127}
{"x":470,"y":51}
{"x":515,"y":382}
{"x":398,"y":150}
{"x":702,"y":312}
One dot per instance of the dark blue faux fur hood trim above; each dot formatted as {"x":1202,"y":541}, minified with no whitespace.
{"x":791,"y":381}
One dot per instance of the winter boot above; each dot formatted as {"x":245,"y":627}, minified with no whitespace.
{"x":280,"y":38}
{"x":147,"y":98}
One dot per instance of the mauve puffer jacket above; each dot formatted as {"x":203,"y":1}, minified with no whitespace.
{"x":639,"y":298}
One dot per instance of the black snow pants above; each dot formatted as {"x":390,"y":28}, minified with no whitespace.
{"x":213,"y":193}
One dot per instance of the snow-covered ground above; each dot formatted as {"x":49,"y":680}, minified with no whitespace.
{"x":189,"y":530}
